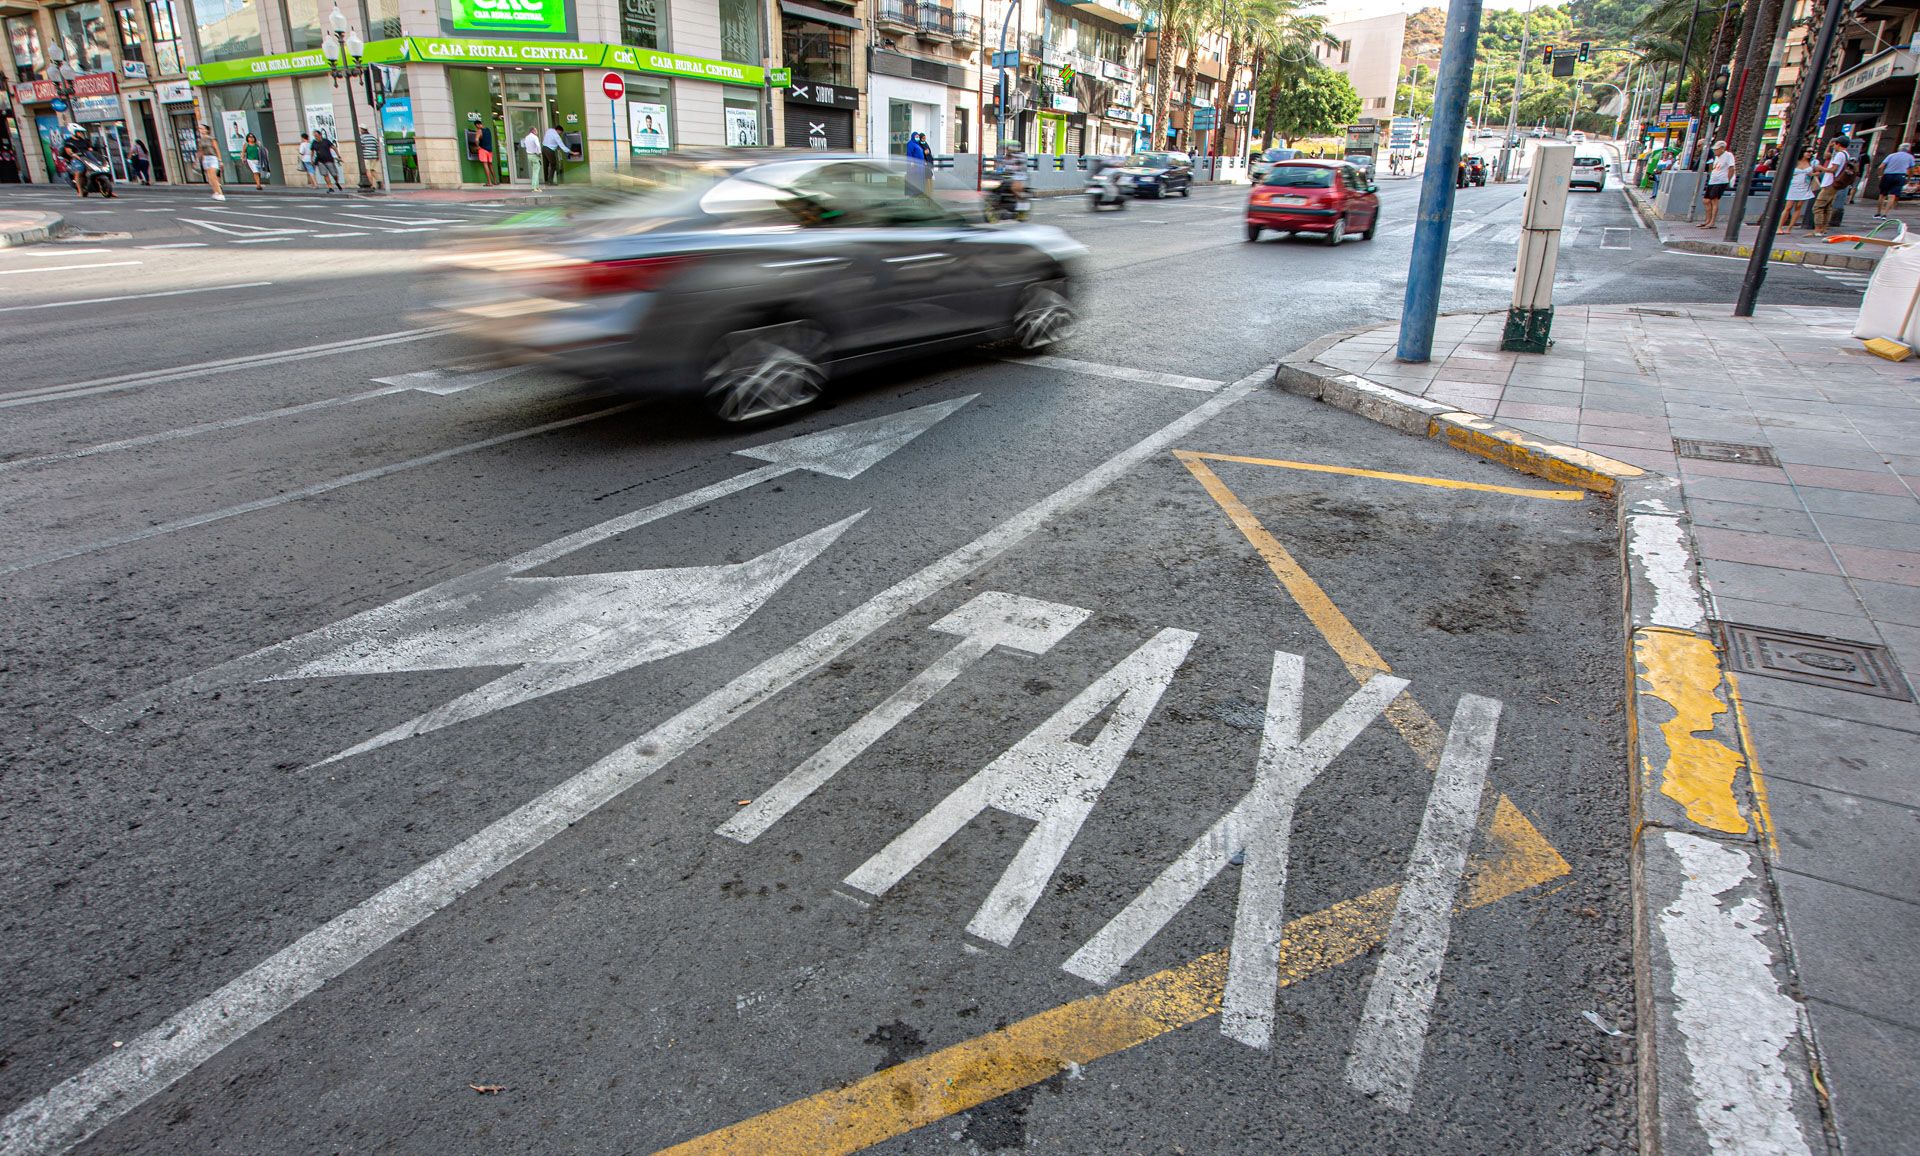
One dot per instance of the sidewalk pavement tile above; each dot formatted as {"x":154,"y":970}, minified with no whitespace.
{"x":1904,"y":641}
{"x":1841,"y":836}
{"x":1742,"y":490}
{"x":1691,"y":468}
{"x":1846,"y":530}
{"x":1853,"y":947}
{"x":1814,"y":557}
{"x":1760,"y":583}
{"x":1843,"y":704}
{"x":1857,"y":481}
{"x":1656,"y":460}
{"x":1878,"y":565}
{"x":1536,"y":412}
{"x":1895,"y":507}
{"x":1751,"y":518}
{"x":1564,"y":432}
{"x":1859,"y":1052}
{"x":1597,"y":436}
{"x":1855,"y":627}
{"x":1871,"y":761}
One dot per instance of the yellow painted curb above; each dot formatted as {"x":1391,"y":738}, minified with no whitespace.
{"x":1682,"y":671}
{"x":1532,"y":455}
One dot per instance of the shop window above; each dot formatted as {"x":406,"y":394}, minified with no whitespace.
{"x":396,"y":127}
{"x":383,"y":22}
{"x":166,"y":37}
{"x":962,"y":125}
{"x":743,"y":122}
{"x":649,"y":119}
{"x":227,"y":29}
{"x":818,"y":51}
{"x":132,"y":44}
{"x":641,"y":23}
{"x":28,"y":59}
{"x":306,"y":21}
{"x":740,"y":32}
{"x":82,"y":31}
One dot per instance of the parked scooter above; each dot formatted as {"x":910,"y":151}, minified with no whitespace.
{"x":1103,"y":188}
{"x":96,"y":176}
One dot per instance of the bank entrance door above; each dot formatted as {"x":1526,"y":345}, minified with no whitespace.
{"x":522,"y":119}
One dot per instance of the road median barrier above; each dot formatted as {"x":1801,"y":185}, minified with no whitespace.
{"x":1724,"y":1058}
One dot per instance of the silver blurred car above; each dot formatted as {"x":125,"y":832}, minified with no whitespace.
{"x":750,"y":277}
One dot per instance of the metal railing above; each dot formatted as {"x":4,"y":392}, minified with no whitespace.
{"x":934,"y":20}
{"x":965,"y":27}
{"x":896,"y":12}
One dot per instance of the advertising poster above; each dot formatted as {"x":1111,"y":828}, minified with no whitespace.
{"x":743,"y":127}
{"x":320,"y":120}
{"x":396,"y":125}
{"x":510,"y":15}
{"x":648,"y":128}
{"x":234,"y":124}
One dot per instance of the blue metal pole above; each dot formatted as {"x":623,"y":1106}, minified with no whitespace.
{"x":1435,"y":221}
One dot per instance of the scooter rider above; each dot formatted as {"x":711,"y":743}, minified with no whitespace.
{"x":1013,"y":168}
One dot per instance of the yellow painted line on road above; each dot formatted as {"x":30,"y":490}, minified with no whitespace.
{"x":1763,"y":813}
{"x":1386,"y":475}
{"x":921,"y":1091}
{"x":1683,"y":671}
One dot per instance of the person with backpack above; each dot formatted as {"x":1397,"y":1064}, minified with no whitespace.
{"x":1836,"y":176}
{"x":326,"y":162}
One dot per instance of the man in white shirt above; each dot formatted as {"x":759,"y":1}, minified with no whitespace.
{"x":553,"y":149}
{"x":1834,"y":180}
{"x":1893,"y":177}
{"x":1719,"y":181}
{"x":530,"y":146}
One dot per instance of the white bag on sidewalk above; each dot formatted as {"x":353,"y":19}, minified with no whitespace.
{"x":1888,"y":308}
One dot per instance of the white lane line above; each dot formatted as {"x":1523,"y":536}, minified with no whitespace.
{"x":155,"y":376}
{"x":62,"y":268}
{"x":427,"y":229}
{"x":389,"y":387}
{"x":992,"y":619}
{"x":153,"y":210}
{"x":263,"y":240}
{"x":1385,"y":1060}
{"x":1121,"y":372}
{"x":314,"y":490}
{"x":49,"y":251}
{"x":179,"y":245}
{"x":130,"y":297}
{"x":318,"y":236}
{"x":88,"y":1101}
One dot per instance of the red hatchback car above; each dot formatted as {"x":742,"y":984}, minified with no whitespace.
{"x":1331,"y":198}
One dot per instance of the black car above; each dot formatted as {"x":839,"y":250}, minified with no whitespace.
{"x":1158,"y":174}
{"x":749,"y":277}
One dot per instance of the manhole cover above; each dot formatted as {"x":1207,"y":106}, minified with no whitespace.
{"x":1706,"y":451}
{"x":1834,"y":663}
{"x":1612,"y":238}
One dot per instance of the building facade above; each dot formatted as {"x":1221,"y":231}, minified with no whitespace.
{"x":1370,"y":56}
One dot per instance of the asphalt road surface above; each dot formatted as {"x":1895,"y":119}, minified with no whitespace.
{"x":405,"y":756}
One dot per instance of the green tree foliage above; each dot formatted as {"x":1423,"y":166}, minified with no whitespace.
{"x":1315,"y":102}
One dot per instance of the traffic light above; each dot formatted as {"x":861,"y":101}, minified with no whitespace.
{"x":1717,"y":95}
{"x":1546,"y":56}
{"x":1586,"y":48}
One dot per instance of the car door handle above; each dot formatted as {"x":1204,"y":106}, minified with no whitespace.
{"x":919,"y":258}
{"x":805,"y":263}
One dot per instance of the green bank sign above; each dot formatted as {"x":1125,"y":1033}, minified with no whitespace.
{"x":510,"y":15}
{"x":540,"y":53}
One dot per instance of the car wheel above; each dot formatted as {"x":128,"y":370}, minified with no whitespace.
{"x":1044,"y":318}
{"x":757,"y":373}
{"x":1373,"y":223}
{"x":1338,"y":233}
{"x":1186,"y":190}
{"x":1253,"y":232}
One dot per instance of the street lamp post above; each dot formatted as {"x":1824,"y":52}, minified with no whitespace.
{"x":344,"y":51}
{"x":1519,"y":75}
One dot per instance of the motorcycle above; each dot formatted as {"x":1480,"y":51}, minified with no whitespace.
{"x":1104,"y":191}
{"x":95,"y":174}
{"x":1002,"y":204}
{"x":1472,"y":171}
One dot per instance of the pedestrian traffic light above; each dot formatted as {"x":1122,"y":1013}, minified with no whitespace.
{"x":1717,"y":95}
{"x":1586,"y":48}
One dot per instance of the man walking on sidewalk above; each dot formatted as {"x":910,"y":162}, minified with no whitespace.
{"x":553,"y":147}
{"x":326,"y":162}
{"x":530,"y":145}
{"x":1719,"y":180}
{"x":1834,"y":179}
{"x":1893,"y":177}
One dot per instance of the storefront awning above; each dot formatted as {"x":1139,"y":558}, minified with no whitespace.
{"x":808,"y":12}
{"x":1875,"y":71}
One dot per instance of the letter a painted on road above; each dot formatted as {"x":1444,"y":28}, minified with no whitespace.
{"x":1046,"y":777}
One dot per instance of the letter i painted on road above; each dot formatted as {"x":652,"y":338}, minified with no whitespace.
{"x":1046,"y":777}
{"x":1259,"y":828}
{"x":989,"y":620}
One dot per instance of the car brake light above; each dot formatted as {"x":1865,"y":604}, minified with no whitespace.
{"x":636,"y":275}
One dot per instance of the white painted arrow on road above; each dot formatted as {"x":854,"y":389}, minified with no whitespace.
{"x":560,"y":632}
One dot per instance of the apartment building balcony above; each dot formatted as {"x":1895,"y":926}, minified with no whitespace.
{"x":966,"y":29}
{"x":933,"y":22}
{"x":1118,"y":11}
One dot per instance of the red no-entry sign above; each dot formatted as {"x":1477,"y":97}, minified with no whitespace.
{"x":613,"y":86}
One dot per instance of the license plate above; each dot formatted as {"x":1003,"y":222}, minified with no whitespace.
{"x":1290,"y":200}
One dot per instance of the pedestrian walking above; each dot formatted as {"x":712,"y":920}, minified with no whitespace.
{"x":256,"y":160}
{"x":530,"y":145}
{"x":1836,"y":176}
{"x":306,"y":161}
{"x":1719,"y":180}
{"x":553,"y":148}
{"x":1799,"y":196}
{"x":326,"y":162}
{"x":916,"y":164}
{"x":480,"y":141}
{"x":139,"y":163}
{"x":1893,"y":177}
{"x":209,"y":148}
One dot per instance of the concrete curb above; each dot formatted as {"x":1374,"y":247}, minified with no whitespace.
{"x":1643,"y":208}
{"x":49,"y":226}
{"x":1725,"y":1051}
